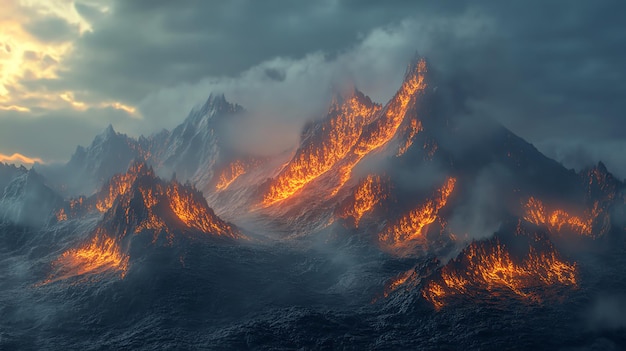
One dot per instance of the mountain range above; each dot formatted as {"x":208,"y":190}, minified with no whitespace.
{"x":388,"y":217}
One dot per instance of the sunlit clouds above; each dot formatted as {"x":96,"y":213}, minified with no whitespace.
{"x":19,"y":158}
{"x":36,"y":38}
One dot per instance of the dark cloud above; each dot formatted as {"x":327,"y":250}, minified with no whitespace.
{"x":147,"y":44}
{"x":51,"y":29}
{"x":552,"y":72}
{"x":53,"y":136}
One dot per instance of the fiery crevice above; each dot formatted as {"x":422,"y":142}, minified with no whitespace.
{"x":383,"y":129}
{"x":101,"y":254}
{"x":337,"y":136}
{"x":368,"y":194}
{"x":559,"y":220}
{"x":411,"y":228}
{"x":359,"y":129}
{"x":412,"y":130}
{"x":230,"y":174}
{"x":119,"y":185}
{"x":406,"y":279}
{"x":488,"y":267}
{"x":188,"y":207}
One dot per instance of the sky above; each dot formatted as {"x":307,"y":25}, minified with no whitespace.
{"x":552,"y":72}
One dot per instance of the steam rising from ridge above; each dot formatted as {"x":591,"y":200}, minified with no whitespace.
{"x":282,"y":94}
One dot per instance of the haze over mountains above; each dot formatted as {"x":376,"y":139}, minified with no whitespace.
{"x":407,"y":209}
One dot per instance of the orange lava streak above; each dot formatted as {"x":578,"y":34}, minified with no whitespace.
{"x":398,"y":281}
{"x":382,"y":130}
{"x":338,"y":136}
{"x":193,"y":214}
{"x":413,"y":225}
{"x":229,"y":175}
{"x":385,"y":127}
{"x":61,"y":215}
{"x":490,"y":268}
{"x":120,"y":184}
{"x":369,"y":192}
{"x":347,"y":140}
{"x":99,"y":255}
{"x":413,"y":130}
{"x":558,"y":220}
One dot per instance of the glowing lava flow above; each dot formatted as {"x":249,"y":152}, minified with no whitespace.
{"x":383,"y":129}
{"x":368,"y":193}
{"x":488,"y":267}
{"x":101,"y":254}
{"x":336,"y":138}
{"x":189,"y":209}
{"x":120,"y":184}
{"x":401,"y":280}
{"x":346,"y":140}
{"x":230,"y":174}
{"x":413,"y":129}
{"x":558,"y":220}
{"x":412,"y":226}
{"x":61,"y":215}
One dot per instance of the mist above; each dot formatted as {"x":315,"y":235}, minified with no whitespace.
{"x":481,"y":211}
{"x":282,"y":94}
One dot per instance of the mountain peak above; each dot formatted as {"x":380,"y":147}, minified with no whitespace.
{"x":217,"y":103}
{"x":216,"y":99}
{"x":107,"y":135}
{"x":149,"y":203}
{"x":354,"y":96}
{"x":139,"y":167}
{"x":418,"y":65}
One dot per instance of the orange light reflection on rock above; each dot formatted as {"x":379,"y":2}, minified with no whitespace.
{"x":338,"y":136}
{"x":398,"y":281}
{"x":414,"y":128}
{"x":193,"y":214}
{"x":368,"y":193}
{"x":347,"y":139}
{"x":407,"y":229}
{"x":229,"y":175}
{"x":382,"y":130}
{"x":101,"y":254}
{"x":490,"y":268}
{"x":558,"y":220}
{"x":119,"y":184}
{"x":61,"y":215}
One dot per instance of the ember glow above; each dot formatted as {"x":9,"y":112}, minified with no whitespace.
{"x":61,"y":215}
{"x":119,"y":185}
{"x":338,"y":134}
{"x":189,"y":209}
{"x":406,"y":279}
{"x":359,"y":129}
{"x":488,"y":267}
{"x":412,"y":227}
{"x":383,"y":129}
{"x":368,"y":193}
{"x":412,"y":130}
{"x":101,"y":254}
{"x":559,"y":220}
{"x":230,"y":174}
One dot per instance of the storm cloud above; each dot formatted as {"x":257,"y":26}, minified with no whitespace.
{"x":551,"y":72}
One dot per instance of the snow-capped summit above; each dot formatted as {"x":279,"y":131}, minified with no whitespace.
{"x":27,"y":200}
{"x":194,"y":148}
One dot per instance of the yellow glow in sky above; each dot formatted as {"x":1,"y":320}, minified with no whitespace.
{"x":23,"y":57}
{"x":19,"y":158}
